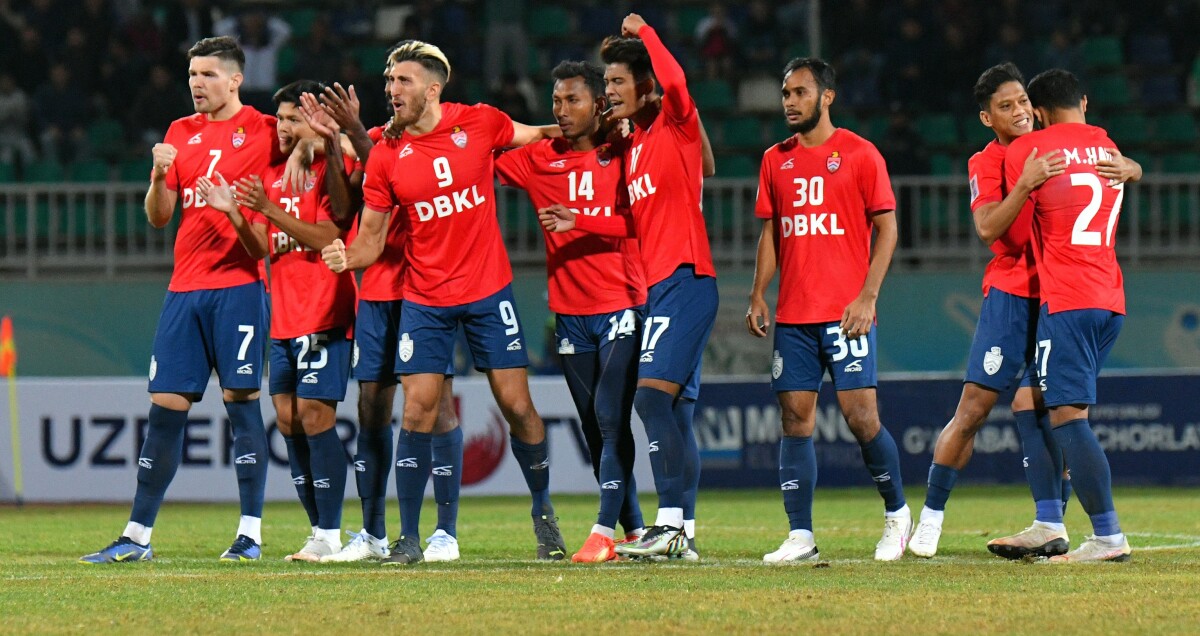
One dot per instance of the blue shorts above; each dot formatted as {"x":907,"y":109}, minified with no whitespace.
{"x":803,"y":353}
{"x":202,"y":330}
{"x":374,"y":357}
{"x":1004,"y":342}
{"x":680,"y":312}
{"x":588,"y":334}
{"x":316,"y":366}
{"x":1072,"y":346}
{"x":492,"y":327}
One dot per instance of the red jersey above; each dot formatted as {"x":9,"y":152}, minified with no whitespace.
{"x":382,"y":280}
{"x":442,"y":182}
{"x":1074,"y":220}
{"x":207,"y":252}
{"x":1012,"y":268}
{"x":306,"y":297}
{"x":665,"y":174}
{"x":587,"y":273}
{"x":821,"y":200}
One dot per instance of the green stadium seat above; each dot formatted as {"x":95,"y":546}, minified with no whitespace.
{"x":371,"y":56}
{"x":713,"y":95}
{"x":742,"y":132}
{"x":91,"y":171}
{"x":876,"y":128}
{"x":44,"y":171}
{"x":8,"y":173}
{"x":548,"y":22}
{"x":286,"y":61}
{"x":737,"y":166}
{"x":943,"y":164}
{"x":687,"y":18}
{"x":1175,"y":128}
{"x":1108,"y":90}
{"x":1182,"y":163}
{"x":106,"y":138}
{"x":1102,"y":52}
{"x":937,"y":130}
{"x":134,"y":170}
{"x":1129,"y":129}
{"x":975,"y":134}
{"x":301,"y":21}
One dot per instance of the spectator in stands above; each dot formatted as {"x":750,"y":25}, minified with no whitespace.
{"x":506,"y":44}
{"x":318,"y":55}
{"x":759,"y":41}
{"x":860,"y":73}
{"x":1011,"y":47}
{"x":851,"y":24}
{"x":80,"y":59}
{"x":905,"y":154}
{"x":374,"y":109}
{"x":14,"y":123}
{"x":158,"y":103}
{"x":511,"y":100}
{"x":95,"y":19}
{"x":34,"y":65}
{"x":187,"y":21}
{"x":1060,"y":52}
{"x":716,"y":41}
{"x":261,"y":38}
{"x":122,"y":74}
{"x":50,"y":19}
{"x":911,"y":63}
{"x":142,"y":33}
{"x":960,"y":58}
{"x":62,"y":115}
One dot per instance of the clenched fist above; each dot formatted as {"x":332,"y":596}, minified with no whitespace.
{"x":164,"y":156}
{"x":334,"y":256}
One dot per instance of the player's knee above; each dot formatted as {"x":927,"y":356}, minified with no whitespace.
{"x":239,"y":395}
{"x":863,"y":422}
{"x":173,"y":401}
{"x":796,"y":424}
{"x":609,"y":420}
{"x":520,"y":413}
{"x":316,"y":419}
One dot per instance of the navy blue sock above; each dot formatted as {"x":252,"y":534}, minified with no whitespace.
{"x":157,"y":462}
{"x":250,"y":454}
{"x":1091,"y":476}
{"x":534,"y":460}
{"x":941,"y":482}
{"x":300,"y":462}
{"x":798,"y":479}
{"x":414,"y":454}
{"x":685,"y":411}
{"x":1060,"y":464}
{"x":1041,"y":471}
{"x":631,"y":510}
{"x":656,"y":408}
{"x":614,"y":482}
{"x":447,"y":478}
{"x":329,"y":477}
{"x":883,"y":461}
{"x":372,"y":466}
{"x":1066,"y":491}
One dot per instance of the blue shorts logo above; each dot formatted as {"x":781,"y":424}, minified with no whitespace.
{"x":153,"y":367}
{"x":776,"y":365}
{"x":406,"y":348}
{"x":565,"y":348}
{"x":992,"y":361}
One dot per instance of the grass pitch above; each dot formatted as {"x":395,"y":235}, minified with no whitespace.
{"x":498,"y":588}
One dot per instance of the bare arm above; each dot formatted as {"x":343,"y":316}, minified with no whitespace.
{"x":365,"y":250}
{"x":860,"y":313}
{"x":992,"y":220}
{"x":524,"y":134}
{"x":251,"y":194}
{"x":758,"y":315}
{"x":708,"y":162}
{"x":160,"y":200}
{"x":1118,"y":168}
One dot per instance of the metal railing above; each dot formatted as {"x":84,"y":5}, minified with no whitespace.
{"x":101,"y":229}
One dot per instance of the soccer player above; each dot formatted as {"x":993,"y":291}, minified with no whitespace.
{"x":375,"y":344}
{"x":1004,"y":338}
{"x":822,"y":193}
{"x":437,"y":168}
{"x":1082,"y":293}
{"x":597,"y":289}
{"x":664,"y":169}
{"x":311,"y":317}
{"x":213,"y":313}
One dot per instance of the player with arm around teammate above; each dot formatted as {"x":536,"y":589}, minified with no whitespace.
{"x":596,"y":289}
{"x":822,"y":192}
{"x":213,"y":314}
{"x":436,"y":169}
{"x":1082,"y":293}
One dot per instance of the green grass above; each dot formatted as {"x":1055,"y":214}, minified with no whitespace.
{"x":497,"y":588}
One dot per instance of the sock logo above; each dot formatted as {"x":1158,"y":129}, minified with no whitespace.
{"x":791,"y":484}
{"x":321,"y":483}
{"x":542,"y":465}
{"x":443,"y":471}
{"x":653,"y":447}
{"x":248,"y":458}
{"x":360,"y":466}
{"x":300,"y":480}
{"x":1024,"y":462}
{"x":146,"y":462}
{"x":882,"y":477}
{"x":611,"y":485}
{"x":246,"y":369}
{"x":407,"y":462}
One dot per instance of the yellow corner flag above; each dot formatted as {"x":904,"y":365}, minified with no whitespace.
{"x":8,"y":369}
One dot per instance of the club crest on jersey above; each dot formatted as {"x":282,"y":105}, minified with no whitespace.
{"x":239,"y":137}
{"x":310,"y":183}
{"x":992,"y":360}
{"x":406,"y":348}
{"x":776,"y":365}
{"x":405,"y":151}
{"x":459,"y":137}
{"x":833,"y":162}
{"x":604,"y":155}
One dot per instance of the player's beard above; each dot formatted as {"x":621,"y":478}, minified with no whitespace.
{"x":398,"y":123}
{"x":805,"y":126}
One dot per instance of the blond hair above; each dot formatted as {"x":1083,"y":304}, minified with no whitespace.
{"x":429,"y":56}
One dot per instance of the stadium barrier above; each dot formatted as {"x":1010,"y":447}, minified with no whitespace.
{"x":100,"y":229}
{"x":81,"y":436}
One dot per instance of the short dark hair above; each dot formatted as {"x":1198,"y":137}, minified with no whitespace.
{"x":821,"y":71}
{"x":427,"y":55}
{"x":292,"y":92}
{"x":1055,"y":88}
{"x":592,"y":75}
{"x":628,"y":51}
{"x":992,"y":79}
{"x":224,"y":48}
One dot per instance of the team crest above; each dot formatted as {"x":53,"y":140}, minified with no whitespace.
{"x":833,"y":162}
{"x":354,"y":357}
{"x":992,"y":360}
{"x":310,"y":183}
{"x":406,"y":348}
{"x":153,"y":367}
{"x":459,"y":137}
{"x":239,"y":137}
{"x":776,"y":365}
{"x":565,"y":347}
{"x":604,"y":155}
